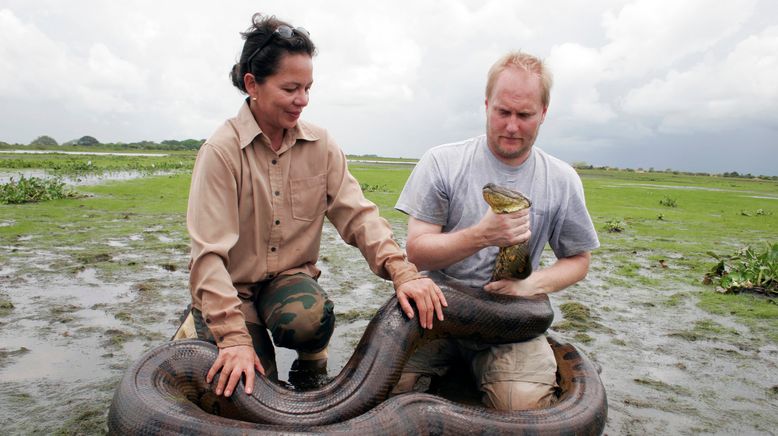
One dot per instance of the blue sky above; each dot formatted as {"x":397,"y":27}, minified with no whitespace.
{"x":653,"y":84}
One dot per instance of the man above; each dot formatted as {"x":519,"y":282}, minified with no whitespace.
{"x":451,"y":229}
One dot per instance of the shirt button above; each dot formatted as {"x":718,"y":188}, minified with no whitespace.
{"x":274,"y":161}
{"x":272,"y":248}
{"x":277,"y":193}
{"x":221,"y":338}
{"x":207,"y":320}
{"x":278,"y":222}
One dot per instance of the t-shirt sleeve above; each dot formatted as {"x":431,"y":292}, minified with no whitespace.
{"x":425,"y":196}
{"x":573,"y":233}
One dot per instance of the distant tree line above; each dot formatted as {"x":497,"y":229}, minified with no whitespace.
{"x":47,"y":143}
{"x":586,"y":166}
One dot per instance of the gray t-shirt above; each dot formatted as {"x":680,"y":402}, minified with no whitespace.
{"x":445,"y":189}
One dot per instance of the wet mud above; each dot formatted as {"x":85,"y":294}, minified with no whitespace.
{"x":70,"y":326}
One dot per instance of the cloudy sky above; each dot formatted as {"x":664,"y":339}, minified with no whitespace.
{"x":688,"y":85}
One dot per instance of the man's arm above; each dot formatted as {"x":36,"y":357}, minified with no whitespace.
{"x":564,"y":272}
{"x":431,"y":249}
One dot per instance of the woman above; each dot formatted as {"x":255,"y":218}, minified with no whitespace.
{"x":261,"y":187}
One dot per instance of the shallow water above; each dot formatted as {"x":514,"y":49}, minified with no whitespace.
{"x":77,"y":180}
{"x":74,"y":329}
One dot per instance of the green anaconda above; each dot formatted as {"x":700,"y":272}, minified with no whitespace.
{"x":165,"y":391}
{"x":513,"y":261}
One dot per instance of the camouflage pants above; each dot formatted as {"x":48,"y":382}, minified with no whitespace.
{"x":294,"y":309}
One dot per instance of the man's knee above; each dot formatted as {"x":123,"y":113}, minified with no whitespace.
{"x":412,"y":382}
{"x":406,"y":383}
{"x":517,"y":395}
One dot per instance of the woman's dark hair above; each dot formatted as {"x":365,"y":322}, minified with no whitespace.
{"x":265,"y":62}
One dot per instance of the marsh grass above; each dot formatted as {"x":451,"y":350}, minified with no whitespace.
{"x":707,"y":329}
{"x":578,"y":318}
{"x":147,"y":215}
{"x":61,"y":164}
{"x":355,"y":315}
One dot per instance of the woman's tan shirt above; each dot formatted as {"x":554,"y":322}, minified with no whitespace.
{"x":255,"y":213}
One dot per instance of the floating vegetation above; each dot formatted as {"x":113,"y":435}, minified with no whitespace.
{"x":746,"y":270}
{"x":33,"y":190}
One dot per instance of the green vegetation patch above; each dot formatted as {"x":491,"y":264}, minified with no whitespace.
{"x":75,"y":165}
{"x":614,"y":226}
{"x":760,"y":314}
{"x":87,"y":421}
{"x":33,"y":190}
{"x":746,"y":270}
{"x":662,"y":386}
{"x":6,"y":307}
{"x":355,"y":315}
{"x":707,"y":329}
{"x":578,"y":318}
{"x":384,"y":183}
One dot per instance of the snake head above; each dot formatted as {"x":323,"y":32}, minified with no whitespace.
{"x":504,"y":200}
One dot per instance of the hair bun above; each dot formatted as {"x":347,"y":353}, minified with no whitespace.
{"x":237,"y":78}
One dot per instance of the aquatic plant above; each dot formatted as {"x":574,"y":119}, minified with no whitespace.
{"x":33,"y":189}
{"x":747,"y":269}
{"x":366,"y":187}
{"x":615,"y":225}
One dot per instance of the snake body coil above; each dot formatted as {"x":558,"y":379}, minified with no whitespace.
{"x":165,"y":391}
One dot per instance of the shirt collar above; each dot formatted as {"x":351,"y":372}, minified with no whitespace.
{"x":248,"y":129}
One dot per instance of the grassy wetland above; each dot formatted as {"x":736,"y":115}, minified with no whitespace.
{"x":90,"y":281}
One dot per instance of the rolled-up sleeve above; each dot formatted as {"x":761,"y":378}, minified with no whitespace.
{"x":213,"y":224}
{"x":359,"y":223}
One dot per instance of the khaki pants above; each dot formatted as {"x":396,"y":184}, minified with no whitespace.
{"x":513,"y":376}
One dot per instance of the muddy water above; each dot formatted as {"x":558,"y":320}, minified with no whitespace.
{"x":74,"y":329}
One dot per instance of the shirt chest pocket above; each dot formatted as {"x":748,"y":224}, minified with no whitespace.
{"x":309,"y":197}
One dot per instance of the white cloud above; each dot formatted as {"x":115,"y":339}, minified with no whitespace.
{"x":577,"y":72}
{"x":715,"y":94}
{"x":396,"y":77}
{"x":647,"y":36}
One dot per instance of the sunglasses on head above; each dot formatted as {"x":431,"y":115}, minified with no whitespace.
{"x":283,"y":31}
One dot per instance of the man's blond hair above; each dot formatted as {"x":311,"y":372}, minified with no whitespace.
{"x":527,"y":62}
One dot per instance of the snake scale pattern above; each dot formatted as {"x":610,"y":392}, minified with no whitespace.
{"x":165,"y":392}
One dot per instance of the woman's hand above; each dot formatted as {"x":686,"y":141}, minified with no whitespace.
{"x":428,"y":297}
{"x":233,"y":363}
